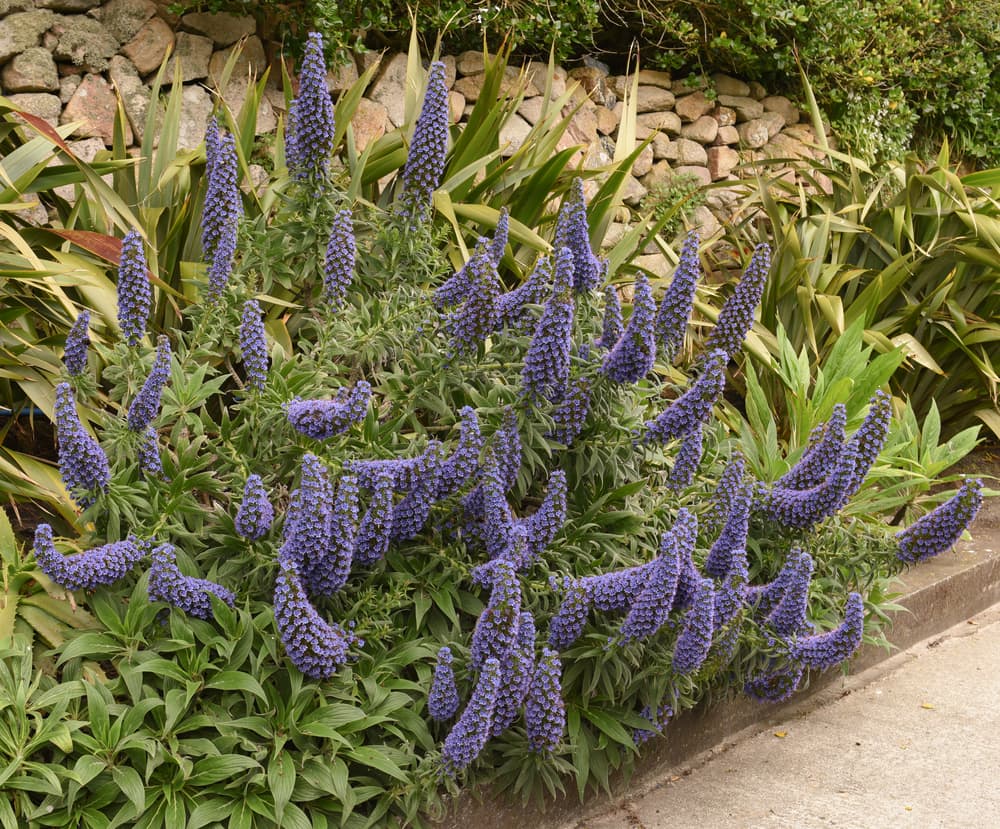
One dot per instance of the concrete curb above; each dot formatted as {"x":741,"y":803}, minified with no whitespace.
{"x":937,"y":595}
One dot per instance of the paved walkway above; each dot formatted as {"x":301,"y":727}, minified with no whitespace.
{"x":914,"y":742}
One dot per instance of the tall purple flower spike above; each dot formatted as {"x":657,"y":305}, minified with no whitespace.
{"x":632,"y":357}
{"x":322,"y":419}
{"x":678,"y":300}
{"x":428,"y":149}
{"x":691,"y":409}
{"x":255,"y":515}
{"x":469,"y":735}
{"x":940,"y":529}
{"x":253,"y":345}
{"x":146,"y":404}
{"x":92,"y":568}
{"x":824,"y":650}
{"x":77,"y":344}
{"x":442,"y":702}
{"x":83,"y":466}
{"x":737,"y":313}
{"x":310,"y":132}
{"x":338,"y":269}
{"x":135,"y":296}
{"x":546,"y":365}
{"x":544,"y":710}
{"x":572,"y":232}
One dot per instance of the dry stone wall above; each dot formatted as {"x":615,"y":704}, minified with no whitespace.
{"x":66,"y":60}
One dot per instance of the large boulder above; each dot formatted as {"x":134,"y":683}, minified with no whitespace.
{"x":23,"y":30}
{"x":42,"y":104}
{"x":134,"y":93}
{"x":222,"y":27}
{"x":94,"y":106}
{"x":192,"y":53}
{"x":84,"y":42}
{"x":124,"y":18}
{"x":150,"y":45}
{"x":31,"y":71}
{"x":196,"y":109}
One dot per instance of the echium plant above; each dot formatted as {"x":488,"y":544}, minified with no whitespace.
{"x":449,"y":523}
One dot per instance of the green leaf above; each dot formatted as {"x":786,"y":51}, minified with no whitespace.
{"x":281,"y":781}
{"x":223,"y":767}
{"x":128,"y":781}
{"x":236,"y":681}
{"x":376,"y":759}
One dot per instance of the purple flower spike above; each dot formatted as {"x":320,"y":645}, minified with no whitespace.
{"x":820,"y":458}
{"x":426,"y":157}
{"x":546,"y":365}
{"x":89,"y":569}
{"x":541,"y":527}
{"x":775,"y":686}
{"x":730,"y":597}
{"x":338,"y":270}
{"x":310,"y":132}
{"x":615,"y":591}
{"x":572,"y":232}
{"x":544,"y":710}
{"x":498,"y":244}
{"x":652,"y":606}
{"x":222,"y":212}
{"x":253,"y":345}
{"x":468,"y":737}
{"x":660,"y":721}
{"x":149,"y":454}
{"x":496,"y":629}
{"x":730,"y":546}
{"x":692,"y":408}
{"x":803,"y":508}
{"x":135,"y":297}
{"x":442,"y":702}
{"x":736,"y":315}
{"x":307,"y":525}
{"x":168,"y":584}
{"x":317,"y":648}
{"x":788,"y":618}
{"x":410,"y":514}
{"x":322,"y":419}
{"x":675,"y":307}
{"x":77,"y":343}
{"x":939,"y":530}
{"x":514,"y":307}
{"x":727,"y":490}
{"x":687,"y":460}
{"x":333,"y":568}
{"x":374,"y":534}
{"x":458,"y":287}
{"x":464,"y":460}
{"x":764,"y":597}
{"x":632,"y":357}
{"x":83,"y":465}
{"x":567,"y":625}
{"x":570,"y":416}
{"x":869,"y":440}
{"x":255,"y":515}
{"x":695,"y":638}
{"x":146,"y":404}
{"x":612,"y":326}
{"x":516,"y":670}
{"x":825,"y":650}
{"x":471,"y":323}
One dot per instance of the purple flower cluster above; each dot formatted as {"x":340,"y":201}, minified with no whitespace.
{"x":516,"y":670}
{"x":477,"y":317}
{"x":146,"y":404}
{"x":695,"y":639}
{"x":675,"y":307}
{"x":820,"y":458}
{"x":471,"y":732}
{"x":736,"y":315}
{"x":687,"y":460}
{"x":442,"y":702}
{"x":572,"y":232}
{"x":462,"y":463}
{"x":425,"y":159}
{"x":940,"y":529}
{"x":803,"y":508}
{"x":322,"y":419}
{"x":135,"y":296}
{"x":544,"y":710}
{"x":331,"y":571}
{"x":729,"y":548}
{"x":513,"y":307}
{"x":149,"y":453}
{"x":651,"y":607}
{"x":310,"y":132}
{"x":730,"y":597}
{"x":255,"y":515}
{"x":541,"y":526}
{"x":223,"y":207}
{"x":570,"y":416}
{"x":659,"y":721}
{"x":824,"y":650}
{"x":253,"y":345}
{"x":316,"y":648}
{"x":546,"y":365}
{"x":729,"y":486}
{"x":612,"y":326}
{"x":869,"y":440}
{"x":498,"y":244}
{"x":568,"y":623}
{"x":788,"y":616}
{"x":691,"y":409}
{"x":83,"y":465}
{"x":631,"y":358}
{"x":764,"y":597}
{"x":338,"y":269}
{"x":168,"y":584}
{"x":459,"y":286}
{"x":410,"y":514}
{"x":89,"y":569}
{"x":77,"y":343}
{"x":375,"y":532}
{"x":775,"y":685}
{"x":496,"y":629}
{"x":307,"y":524}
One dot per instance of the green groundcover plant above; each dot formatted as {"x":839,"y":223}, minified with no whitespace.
{"x":405,"y":527}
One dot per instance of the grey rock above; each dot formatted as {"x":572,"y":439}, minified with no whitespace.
{"x":694,"y":106}
{"x":23,"y":30}
{"x":531,"y":109}
{"x":342,"y":77}
{"x":513,"y":134}
{"x":537,"y":72}
{"x":388,"y":89}
{"x":668,"y":122}
{"x":695,"y":171}
{"x":754,"y":133}
{"x":705,"y":220}
{"x":222,"y":27}
{"x":150,"y":45}
{"x":196,"y":108}
{"x":746,"y":108}
{"x":31,"y":71}
{"x":67,"y":86}
{"x":654,"y":263}
{"x":124,"y":18}
{"x":94,"y":107}
{"x":690,"y":152}
{"x":450,"y":70}
{"x":42,"y":104}
{"x":470,"y":63}
{"x":63,"y":5}
{"x":84,"y":42}
{"x":86,"y":150}
{"x":775,"y":122}
{"x":633,"y":191}
{"x":594,"y":81}
{"x":664,"y":148}
{"x":644,"y":162}
{"x":615,"y":233}
{"x":258,"y":179}
{"x":250,"y":61}
{"x":704,"y":130}
{"x":757,"y":91}
{"x":134,"y":93}
{"x":192,"y":54}
{"x":785,"y":108}
{"x":725,"y":85}
{"x":654,"y":99}
{"x":11,"y":6}
{"x":685,"y":86}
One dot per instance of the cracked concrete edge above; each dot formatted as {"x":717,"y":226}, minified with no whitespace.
{"x":937,"y":595}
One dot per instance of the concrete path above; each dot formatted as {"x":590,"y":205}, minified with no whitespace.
{"x":913,"y":742}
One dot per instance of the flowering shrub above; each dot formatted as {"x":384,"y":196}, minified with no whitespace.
{"x":440,"y":520}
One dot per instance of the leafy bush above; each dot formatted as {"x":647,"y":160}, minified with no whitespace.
{"x":534,"y":462}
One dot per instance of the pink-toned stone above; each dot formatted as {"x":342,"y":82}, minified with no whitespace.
{"x":388,"y":89}
{"x":94,"y":106}
{"x":726,"y":116}
{"x":753,"y":134}
{"x":43,"y":104}
{"x":456,"y":106}
{"x":369,"y":123}
{"x":699,"y":172}
{"x":785,"y":108}
{"x":607,"y":120}
{"x":531,"y":109}
{"x":583,"y":126}
{"x":668,"y":122}
{"x":728,"y":135}
{"x":721,"y":161}
{"x":775,"y":123}
{"x":746,"y":108}
{"x":654,"y":99}
{"x":192,"y":54}
{"x":694,"y":106}
{"x":341,"y":77}
{"x":513,"y":135}
{"x":704,"y":130}
{"x":223,"y":28}
{"x":664,"y":148}
{"x":690,"y":152}
{"x":150,"y":45}
{"x":31,"y":71}
{"x":644,"y":162}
